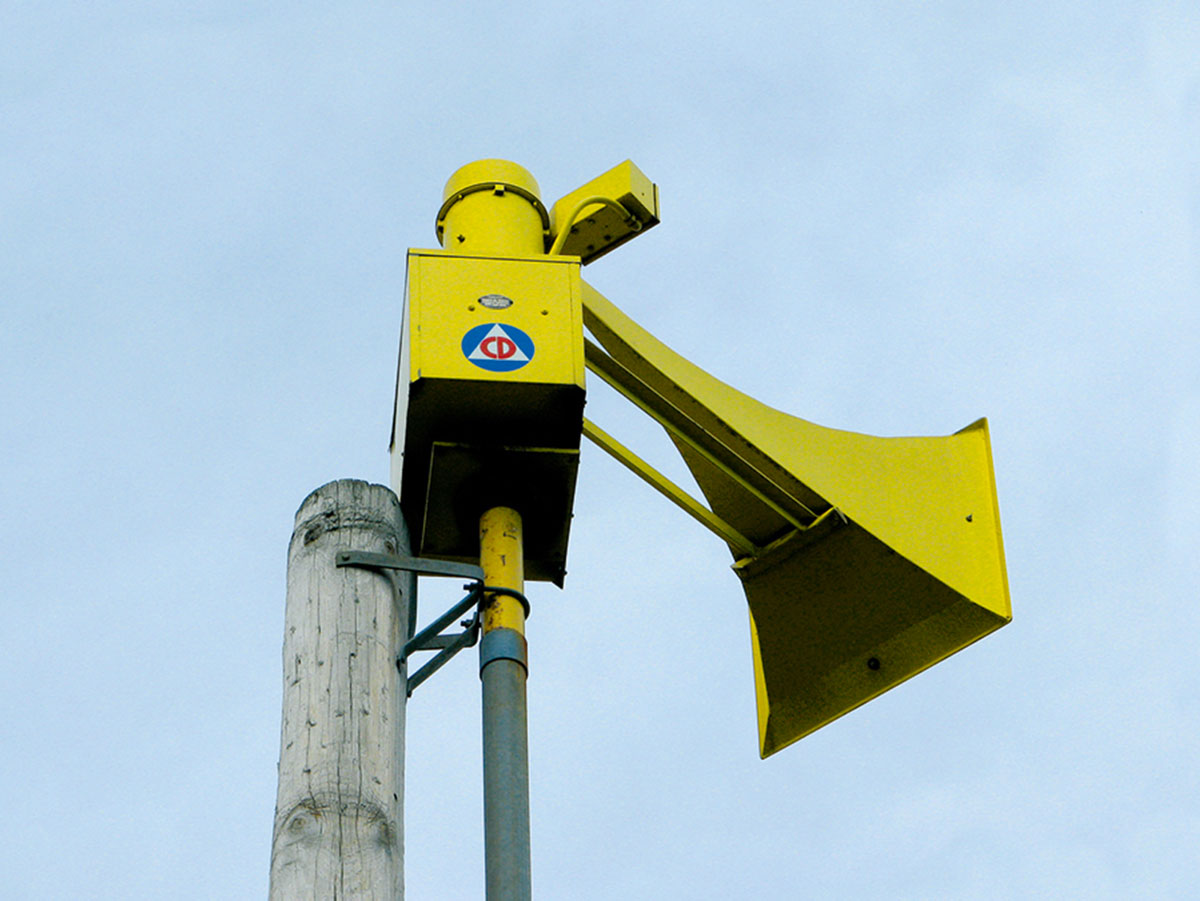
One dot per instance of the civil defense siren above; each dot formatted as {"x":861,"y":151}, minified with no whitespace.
{"x":864,"y":560}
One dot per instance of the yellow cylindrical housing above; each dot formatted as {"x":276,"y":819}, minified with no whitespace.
{"x":502,"y":557}
{"x":493,"y":207}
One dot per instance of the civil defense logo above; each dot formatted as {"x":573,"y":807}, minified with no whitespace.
{"x":497,"y":348}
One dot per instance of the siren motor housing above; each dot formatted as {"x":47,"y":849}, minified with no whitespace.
{"x":489,"y":399}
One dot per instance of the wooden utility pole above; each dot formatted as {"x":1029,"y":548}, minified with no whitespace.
{"x":339,"y":809}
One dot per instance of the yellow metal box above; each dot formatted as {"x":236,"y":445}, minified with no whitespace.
{"x":489,"y":401}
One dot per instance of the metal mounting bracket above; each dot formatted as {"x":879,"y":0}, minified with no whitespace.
{"x":431,"y":638}
{"x":410,"y":564}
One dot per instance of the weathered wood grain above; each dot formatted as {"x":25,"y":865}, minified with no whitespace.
{"x":339,"y":808}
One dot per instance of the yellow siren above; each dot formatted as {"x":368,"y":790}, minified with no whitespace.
{"x":864,"y":560}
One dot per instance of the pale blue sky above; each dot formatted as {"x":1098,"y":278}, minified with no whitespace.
{"x":892,"y":218}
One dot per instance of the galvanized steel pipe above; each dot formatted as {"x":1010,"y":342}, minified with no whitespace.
{"x":503,"y":671}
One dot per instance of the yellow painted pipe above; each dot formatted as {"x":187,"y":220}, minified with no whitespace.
{"x":502,"y":556}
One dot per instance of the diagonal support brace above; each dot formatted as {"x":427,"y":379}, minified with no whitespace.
{"x":431,"y":637}
{"x":450,"y":645}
